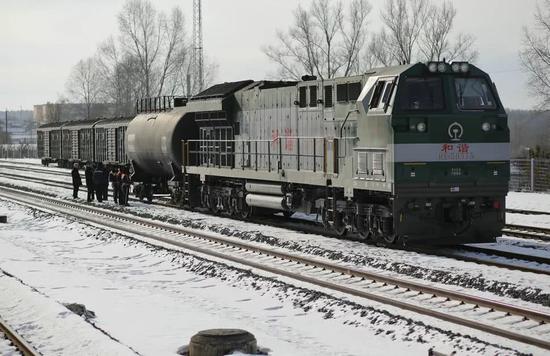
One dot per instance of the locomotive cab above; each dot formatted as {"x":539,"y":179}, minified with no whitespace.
{"x":439,"y":134}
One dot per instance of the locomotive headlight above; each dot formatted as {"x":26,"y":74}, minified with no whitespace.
{"x":464,"y":67}
{"x":432,"y":67}
{"x":421,"y":127}
{"x":442,"y":67}
{"x":486,"y":126}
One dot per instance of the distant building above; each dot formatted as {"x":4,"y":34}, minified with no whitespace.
{"x":56,"y":112}
{"x":21,"y":127}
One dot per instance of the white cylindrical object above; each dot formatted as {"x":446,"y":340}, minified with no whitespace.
{"x":266,"y":201}
{"x":264,"y":188}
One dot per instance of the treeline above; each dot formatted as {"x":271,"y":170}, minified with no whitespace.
{"x":335,"y":38}
{"x":150,"y":55}
{"x":529,"y":133}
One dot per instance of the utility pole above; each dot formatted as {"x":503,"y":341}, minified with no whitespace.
{"x":198,"y":70}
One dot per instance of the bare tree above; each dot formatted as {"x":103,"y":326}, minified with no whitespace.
{"x":140,"y":35}
{"x":435,"y":42}
{"x":419,"y":30}
{"x":535,"y":55}
{"x":324,"y":40}
{"x":404,"y":21}
{"x":353,"y":31}
{"x":84,"y":84}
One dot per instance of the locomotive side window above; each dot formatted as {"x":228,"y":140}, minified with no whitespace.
{"x":328,"y":96}
{"x":473,"y":94}
{"x":312,"y":96}
{"x":342,"y":92}
{"x":377,"y":94}
{"x":354,"y":90}
{"x":421,"y":94}
{"x":348,"y":91}
{"x":303,"y":98}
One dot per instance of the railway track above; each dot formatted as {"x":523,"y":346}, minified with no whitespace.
{"x":524,"y":325}
{"x":449,"y":253}
{"x":16,"y":340}
{"x":527,"y":232}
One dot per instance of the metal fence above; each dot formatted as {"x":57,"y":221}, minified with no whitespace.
{"x":18,"y":151}
{"x":532,"y":175}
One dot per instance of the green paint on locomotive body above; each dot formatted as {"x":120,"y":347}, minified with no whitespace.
{"x":438,"y":154}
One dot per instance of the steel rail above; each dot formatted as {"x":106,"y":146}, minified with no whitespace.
{"x":456,"y":254}
{"x":214,"y":245}
{"x":527,"y":212}
{"x":435,"y":252}
{"x":66,"y":172}
{"x":527,"y":232}
{"x":18,"y":342}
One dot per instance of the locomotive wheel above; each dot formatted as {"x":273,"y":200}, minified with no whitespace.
{"x":213,"y":204}
{"x":390,"y":239}
{"x":243,"y":210}
{"x":362,"y":226}
{"x":340,"y":230}
{"x":246,"y":211}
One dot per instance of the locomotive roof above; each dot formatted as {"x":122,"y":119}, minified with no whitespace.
{"x":222,"y":90}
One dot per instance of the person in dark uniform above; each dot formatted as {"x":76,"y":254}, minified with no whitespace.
{"x":105,"y":187}
{"x":89,"y":173}
{"x":98,"y":179}
{"x":115,"y":184}
{"x":125,"y":185}
{"x":77,"y":181}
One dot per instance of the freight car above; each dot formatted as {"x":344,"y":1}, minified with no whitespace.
{"x":412,"y":153}
{"x":95,"y":140}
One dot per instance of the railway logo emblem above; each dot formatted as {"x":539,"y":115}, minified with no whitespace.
{"x":455,"y":131}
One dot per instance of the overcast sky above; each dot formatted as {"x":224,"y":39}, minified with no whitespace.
{"x":40,"y":40}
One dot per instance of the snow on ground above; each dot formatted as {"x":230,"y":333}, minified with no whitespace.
{"x":32,"y":161}
{"x":153,"y":301}
{"x":6,"y":348}
{"x":45,"y":323}
{"x":528,"y":201}
{"x":522,"y":288}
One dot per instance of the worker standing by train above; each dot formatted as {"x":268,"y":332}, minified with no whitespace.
{"x":125,"y":185}
{"x":99,"y":182}
{"x":105,"y":182}
{"x":77,"y":181}
{"x":89,"y":174}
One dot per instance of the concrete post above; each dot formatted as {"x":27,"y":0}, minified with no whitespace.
{"x":532,"y":174}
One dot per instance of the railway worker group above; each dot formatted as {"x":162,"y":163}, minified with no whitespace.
{"x":97,"y":183}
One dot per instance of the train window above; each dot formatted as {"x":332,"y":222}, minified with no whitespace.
{"x":473,"y":94}
{"x":354,"y":90}
{"x":303,"y":98}
{"x":377,"y":94}
{"x":312,"y":96}
{"x":328,"y":96}
{"x":421,"y":94}
{"x":342,"y":92}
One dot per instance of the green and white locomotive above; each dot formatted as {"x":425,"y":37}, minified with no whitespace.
{"x":400,"y":154}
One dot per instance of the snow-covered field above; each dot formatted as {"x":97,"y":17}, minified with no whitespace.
{"x":132,"y":286}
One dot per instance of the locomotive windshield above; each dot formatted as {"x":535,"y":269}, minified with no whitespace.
{"x":421,"y":94}
{"x":473,"y":94}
